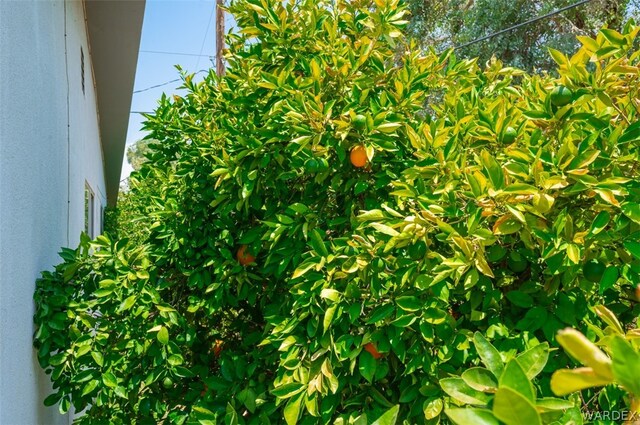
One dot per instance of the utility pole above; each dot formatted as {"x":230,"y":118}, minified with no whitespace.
{"x":219,"y":37}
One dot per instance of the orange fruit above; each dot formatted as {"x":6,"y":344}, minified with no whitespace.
{"x":217,"y":347}
{"x":371,"y":349}
{"x":204,"y":391}
{"x":358,"y":156}
{"x":638,"y":292}
{"x":244,"y":257}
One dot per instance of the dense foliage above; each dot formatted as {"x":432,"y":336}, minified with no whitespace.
{"x":339,"y":231}
{"x":447,"y":23}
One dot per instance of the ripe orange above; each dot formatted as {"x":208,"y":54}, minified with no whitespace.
{"x":244,"y":257}
{"x":217,"y":347}
{"x":638,"y":292}
{"x":358,"y":156}
{"x":371,"y":349}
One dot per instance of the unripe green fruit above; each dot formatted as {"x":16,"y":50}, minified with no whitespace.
{"x":312,"y":165}
{"x":509,"y":135}
{"x":561,"y":96}
{"x":359,"y":122}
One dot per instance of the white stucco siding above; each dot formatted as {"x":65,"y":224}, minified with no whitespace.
{"x":49,"y":147}
{"x":87,"y":163}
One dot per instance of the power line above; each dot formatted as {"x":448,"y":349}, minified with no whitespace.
{"x":530,"y":21}
{"x":160,"y":52}
{"x":205,"y":34}
{"x":157,"y":85}
{"x":166,"y":83}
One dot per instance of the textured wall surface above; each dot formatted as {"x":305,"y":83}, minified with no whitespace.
{"x":49,"y":147}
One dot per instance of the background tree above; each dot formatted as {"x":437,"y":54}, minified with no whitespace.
{"x":448,"y":23}
{"x":137,"y":153}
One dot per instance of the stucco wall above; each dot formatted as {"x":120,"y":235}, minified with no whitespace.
{"x":49,"y":146}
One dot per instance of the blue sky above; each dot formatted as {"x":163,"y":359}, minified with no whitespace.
{"x":178,"y":28}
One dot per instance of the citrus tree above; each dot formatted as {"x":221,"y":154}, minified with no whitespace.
{"x":339,"y":224}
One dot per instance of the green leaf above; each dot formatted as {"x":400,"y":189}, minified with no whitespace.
{"x":489,"y":355}
{"x":600,"y":222}
{"x":585,"y":351}
{"x":459,"y":390}
{"x":98,"y":358}
{"x":520,"y":299}
{"x":409,"y":303}
{"x":609,"y":318}
{"x":626,"y":365}
{"x":471,"y":416}
{"x":101,"y":293}
{"x":558,"y":56}
{"x":609,"y":278}
{"x":479,"y":379}
{"x":633,"y":247}
{"x":367,"y":365}
{"x":52,"y":399}
{"x":533,"y":320}
{"x":515,"y":378}
{"x":614,"y":37}
{"x":175,"y":360}
{"x":127,"y":304}
{"x":91,"y":385}
{"x":513,"y":409}
{"x":550,"y":404}
{"x":288,"y":390}
{"x":432,"y":408}
{"x":521,"y":189}
{"x":317,"y":243}
{"x":292,"y":409}
{"x":384,"y":229}
{"x":328,"y":317}
{"x":493,"y":170}
{"x":631,"y":210}
{"x":109,"y":380}
{"x":389,"y":417}
{"x":567,"y":381}
{"x":371,"y":215}
{"x":163,"y":335}
{"x":330,"y":294}
{"x":631,"y":133}
{"x":380,"y":313}
{"x":534,"y":359}
{"x":183,"y":372}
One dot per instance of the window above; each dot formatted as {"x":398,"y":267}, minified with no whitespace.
{"x":89,"y":216}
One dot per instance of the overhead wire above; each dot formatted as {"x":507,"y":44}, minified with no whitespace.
{"x":161,"y":52}
{"x":213,"y":9}
{"x":166,"y":83}
{"x":530,"y":21}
